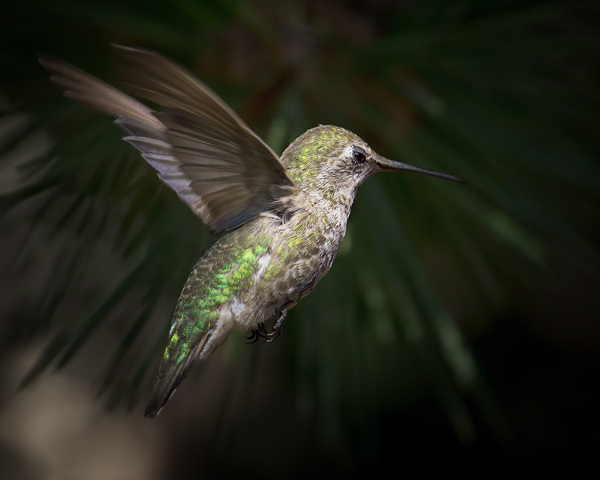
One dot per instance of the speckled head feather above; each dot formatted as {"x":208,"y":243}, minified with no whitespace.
{"x":315,"y":150}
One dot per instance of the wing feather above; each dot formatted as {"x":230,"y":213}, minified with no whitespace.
{"x":197,"y":144}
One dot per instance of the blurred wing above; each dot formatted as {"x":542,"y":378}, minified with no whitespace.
{"x":199,"y":146}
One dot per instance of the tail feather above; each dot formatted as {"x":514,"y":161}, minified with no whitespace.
{"x":170,"y":375}
{"x":179,"y":358}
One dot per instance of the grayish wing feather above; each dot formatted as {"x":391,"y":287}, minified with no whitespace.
{"x":199,"y":146}
{"x":82,"y":86}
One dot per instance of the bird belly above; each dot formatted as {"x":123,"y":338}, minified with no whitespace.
{"x":295,"y":261}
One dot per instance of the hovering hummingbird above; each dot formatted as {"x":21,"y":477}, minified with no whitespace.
{"x":279,"y":221}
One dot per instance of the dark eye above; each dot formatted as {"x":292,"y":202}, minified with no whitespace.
{"x":359,"y":155}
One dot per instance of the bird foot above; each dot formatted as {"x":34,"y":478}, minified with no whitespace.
{"x":257,"y":332}
{"x":277,"y":328}
{"x":261,"y":332}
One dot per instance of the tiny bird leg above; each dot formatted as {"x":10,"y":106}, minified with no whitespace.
{"x":277,"y":328}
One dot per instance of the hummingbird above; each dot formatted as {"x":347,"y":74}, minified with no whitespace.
{"x":277,"y":222}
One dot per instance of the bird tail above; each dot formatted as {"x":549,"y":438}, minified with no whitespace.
{"x":171,"y":372}
{"x":180,"y":354}
{"x":170,"y":375}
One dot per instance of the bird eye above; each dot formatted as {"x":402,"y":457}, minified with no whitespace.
{"x":359,"y":155}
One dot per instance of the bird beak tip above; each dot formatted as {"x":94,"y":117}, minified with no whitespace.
{"x":385,"y":164}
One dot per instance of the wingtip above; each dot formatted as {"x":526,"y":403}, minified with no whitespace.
{"x":126,"y":48}
{"x":47,"y":61}
{"x":41,"y":57}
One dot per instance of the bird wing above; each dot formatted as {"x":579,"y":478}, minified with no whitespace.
{"x":197,"y":144}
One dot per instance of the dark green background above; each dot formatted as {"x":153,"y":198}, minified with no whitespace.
{"x":458,"y":328}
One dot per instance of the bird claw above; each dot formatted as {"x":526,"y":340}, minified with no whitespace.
{"x":257,"y":332}
{"x":278,"y":328}
{"x":261,"y":332}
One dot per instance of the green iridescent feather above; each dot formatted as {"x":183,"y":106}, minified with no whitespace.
{"x":226,"y":269}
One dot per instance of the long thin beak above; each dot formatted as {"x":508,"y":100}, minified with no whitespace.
{"x":390,"y":165}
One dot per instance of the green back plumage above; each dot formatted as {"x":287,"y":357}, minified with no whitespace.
{"x":223,"y":271}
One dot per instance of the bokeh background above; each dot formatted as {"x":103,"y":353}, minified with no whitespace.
{"x":458,"y":328}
